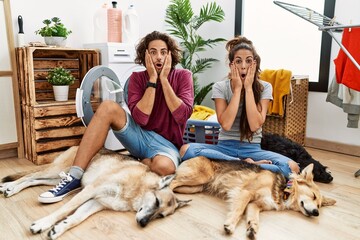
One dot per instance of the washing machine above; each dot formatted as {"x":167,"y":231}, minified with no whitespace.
{"x":106,"y":82}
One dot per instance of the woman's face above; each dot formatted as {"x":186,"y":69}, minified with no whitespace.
{"x":243,"y":58}
{"x":158,"y":51}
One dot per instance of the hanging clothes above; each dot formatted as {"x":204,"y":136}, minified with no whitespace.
{"x":346,"y":71}
{"x":347,"y":99}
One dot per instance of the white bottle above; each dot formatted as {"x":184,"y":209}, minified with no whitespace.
{"x":101,"y":24}
{"x":131,"y":26}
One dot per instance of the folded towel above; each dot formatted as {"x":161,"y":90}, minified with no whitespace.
{"x":201,"y":112}
{"x":280,"y":81}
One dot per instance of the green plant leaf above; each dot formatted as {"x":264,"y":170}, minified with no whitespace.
{"x":184,"y":24}
{"x":200,"y":96}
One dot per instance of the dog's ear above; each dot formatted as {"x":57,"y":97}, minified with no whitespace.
{"x":325,"y":201}
{"x":181,"y":203}
{"x":165,"y":181}
{"x":307,"y":172}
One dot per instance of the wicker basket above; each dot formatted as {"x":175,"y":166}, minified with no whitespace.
{"x":292,"y":125}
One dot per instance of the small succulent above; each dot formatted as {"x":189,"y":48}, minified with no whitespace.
{"x":60,"y":76}
{"x":53,"y":28}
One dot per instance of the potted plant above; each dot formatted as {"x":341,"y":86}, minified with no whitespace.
{"x":54,"y":32}
{"x":184,"y":24}
{"x":60,"y":78}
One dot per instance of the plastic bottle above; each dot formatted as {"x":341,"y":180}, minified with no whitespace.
{"x":101,"y":24}
{"x":131,"y":26}
{"x":114,"y":19}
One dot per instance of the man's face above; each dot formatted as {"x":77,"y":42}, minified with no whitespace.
{"x":158,"y":51}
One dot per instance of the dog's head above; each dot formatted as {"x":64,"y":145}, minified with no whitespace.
{"x":159,"y":203}
{"x":321,"y":173}
{"x":305,"y":195}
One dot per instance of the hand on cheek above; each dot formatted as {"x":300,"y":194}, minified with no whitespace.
{"x":150,"y":66}
{"x":166,"y":68}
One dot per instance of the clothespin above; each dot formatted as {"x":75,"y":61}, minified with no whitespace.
{"x":350,"y":24}
{"x":332,"y":21}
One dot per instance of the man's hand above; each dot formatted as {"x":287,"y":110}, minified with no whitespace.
{"x":166,"y":68}
{"x":150,"y":67}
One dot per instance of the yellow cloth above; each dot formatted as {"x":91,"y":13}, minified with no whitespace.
{"x":280,"y":81}
{"x":201,"y":112}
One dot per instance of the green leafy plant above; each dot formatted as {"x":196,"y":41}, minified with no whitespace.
{"x":60,"y":76}
{"x":53,"y":28}
{"x":184,"y":25}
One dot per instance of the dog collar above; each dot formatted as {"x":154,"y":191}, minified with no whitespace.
{"x":288,"y":189}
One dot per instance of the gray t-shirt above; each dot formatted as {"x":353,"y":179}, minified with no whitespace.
{"x":222,"y":90}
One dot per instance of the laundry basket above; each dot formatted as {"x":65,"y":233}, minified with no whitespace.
{"x":201,"y":131}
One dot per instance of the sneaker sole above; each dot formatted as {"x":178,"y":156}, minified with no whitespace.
{"x":58,"y":198}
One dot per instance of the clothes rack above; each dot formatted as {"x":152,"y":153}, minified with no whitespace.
{"x":324,"y":23}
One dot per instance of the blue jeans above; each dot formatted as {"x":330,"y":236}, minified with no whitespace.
{"x":236,"y":150}
{"x":142,"y":143}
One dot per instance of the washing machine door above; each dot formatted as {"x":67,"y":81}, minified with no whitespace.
{"x":100,"y":83}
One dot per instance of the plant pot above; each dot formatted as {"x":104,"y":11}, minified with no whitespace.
{"x":55,"y":41}
{"x":61,"y":92}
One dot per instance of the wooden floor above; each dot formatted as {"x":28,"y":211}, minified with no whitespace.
{"x":203,"y":219}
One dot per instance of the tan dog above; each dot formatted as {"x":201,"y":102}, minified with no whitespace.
{"x":112,"y":181}
{"x":247,"y":187}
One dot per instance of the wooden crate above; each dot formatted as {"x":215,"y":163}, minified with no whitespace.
{"x":50,"y":127}
{"x":293,"y":124}
{"x":34,"y":64}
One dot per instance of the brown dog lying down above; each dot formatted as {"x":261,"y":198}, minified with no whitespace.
{"x":248,"y":188}
{"x":112,"y":181}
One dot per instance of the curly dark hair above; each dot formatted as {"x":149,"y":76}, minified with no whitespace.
{"x":232,"y":46}
{"x":155,"y":35}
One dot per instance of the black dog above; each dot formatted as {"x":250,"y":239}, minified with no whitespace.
{"x":293,"y":150}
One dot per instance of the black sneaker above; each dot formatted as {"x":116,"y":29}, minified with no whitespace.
{"x":66,"y":186}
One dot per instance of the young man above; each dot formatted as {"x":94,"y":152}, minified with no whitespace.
{"x":160,"y":100}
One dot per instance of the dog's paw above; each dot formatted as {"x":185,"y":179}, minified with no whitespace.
{"x":40,"y":226}
{"x":7,"y":189}
{"x":229,"y":228}
{"x":251,"y":233}
{"x":57,"y":230}
{"x":2,"y":187}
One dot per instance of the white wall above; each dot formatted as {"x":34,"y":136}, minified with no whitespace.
{"x":325,"y":121}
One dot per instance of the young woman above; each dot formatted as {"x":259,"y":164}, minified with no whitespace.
{"x":241,"y":103}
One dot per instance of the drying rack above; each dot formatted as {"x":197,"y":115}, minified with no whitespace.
{"x":324,"y":23}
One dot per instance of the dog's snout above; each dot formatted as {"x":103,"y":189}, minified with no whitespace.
{"x":315,"y":213}
{"x":143,"y":222}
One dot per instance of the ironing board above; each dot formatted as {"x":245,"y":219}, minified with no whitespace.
{"x":324,"y":23}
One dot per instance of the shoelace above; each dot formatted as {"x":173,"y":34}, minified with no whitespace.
{"x":65,"y":178}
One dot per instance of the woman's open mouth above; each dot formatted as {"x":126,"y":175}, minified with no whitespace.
{"x":243,"y":75}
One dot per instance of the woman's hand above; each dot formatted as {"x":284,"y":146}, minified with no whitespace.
{"x":235,"y":78}
{"x":166,"y":68}
{"x":150,"y":67}
{"x":250,"y":75}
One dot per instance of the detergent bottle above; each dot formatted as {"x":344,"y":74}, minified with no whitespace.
{"x":114,"y":20}
{"x":101,"y":24}
{"x":131,"y":26}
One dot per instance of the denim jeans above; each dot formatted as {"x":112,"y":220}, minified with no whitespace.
{"x":142,"y":143}
{"x":236,"y":150}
